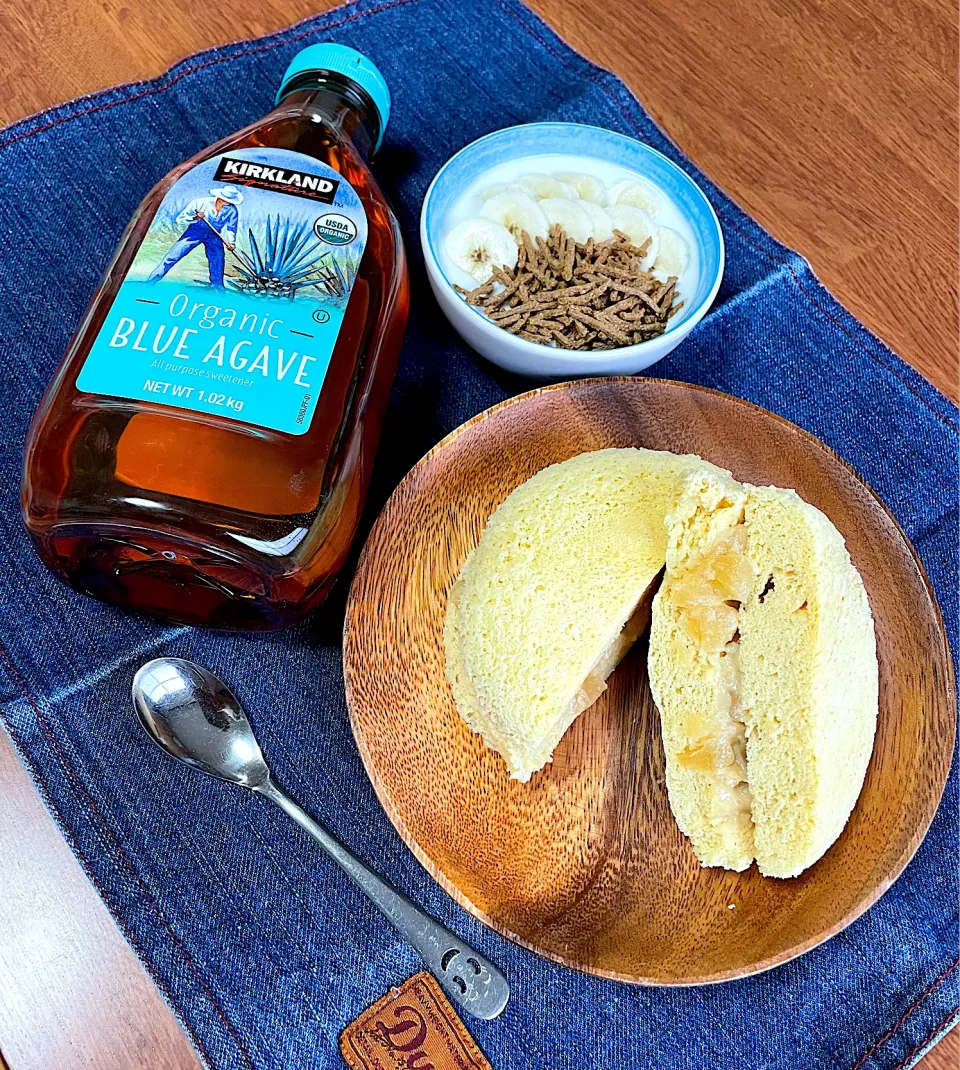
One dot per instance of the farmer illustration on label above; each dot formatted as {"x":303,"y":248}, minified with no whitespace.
{"x":211,"y":222}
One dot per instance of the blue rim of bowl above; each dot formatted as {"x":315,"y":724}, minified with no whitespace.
{"x":688,"y":322}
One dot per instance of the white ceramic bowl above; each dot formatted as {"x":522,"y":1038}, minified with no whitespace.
{"x":571,"y":139}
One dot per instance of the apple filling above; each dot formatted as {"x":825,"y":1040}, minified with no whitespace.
{"x":710,"y":592}
{"x":596,"y":681}
{"x":708,"y":595}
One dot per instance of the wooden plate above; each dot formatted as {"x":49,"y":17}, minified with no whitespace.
{"x":585,"y":864}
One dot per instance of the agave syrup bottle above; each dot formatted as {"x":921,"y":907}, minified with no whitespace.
{"x":204,"y":449}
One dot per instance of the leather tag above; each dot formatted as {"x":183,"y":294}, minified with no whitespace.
{"x":413,"y":1027}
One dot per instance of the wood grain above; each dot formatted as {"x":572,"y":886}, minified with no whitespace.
{"x":816,"y":117}
{"x":73,"y":995}
{"x":834,"y":124}
{"x":585,"y":863}
{"x":945,"y":1056}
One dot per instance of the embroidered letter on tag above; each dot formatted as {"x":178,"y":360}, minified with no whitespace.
{"x":413,"y":1027}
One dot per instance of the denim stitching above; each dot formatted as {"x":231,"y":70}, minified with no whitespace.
{"x":260,"y":44}
{"x":926,"y":1040}
{"x":601,"y":77}
{"x":835,"y":320}
{"x":316,"y":23}
{"x":64,"y":829}
{"x":877,"y":1045}
{"x":597,"y":74}
{"x":119,"y":849}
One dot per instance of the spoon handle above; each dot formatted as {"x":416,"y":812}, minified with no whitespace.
{"x":468,"y":978}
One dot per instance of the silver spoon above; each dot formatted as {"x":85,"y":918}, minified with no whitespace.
{"x":195,"y":717}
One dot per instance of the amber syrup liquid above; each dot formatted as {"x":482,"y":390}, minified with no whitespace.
{"x":194,"y":517}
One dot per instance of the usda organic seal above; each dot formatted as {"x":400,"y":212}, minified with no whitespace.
{"x":335,"y":229}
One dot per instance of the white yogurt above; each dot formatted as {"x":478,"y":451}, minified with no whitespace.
{"x":469,"y":205}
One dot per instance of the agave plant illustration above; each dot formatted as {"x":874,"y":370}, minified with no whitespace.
{"x":290,"y":260}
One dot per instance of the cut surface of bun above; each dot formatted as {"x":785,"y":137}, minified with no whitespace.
{"x":763,"y":666}
{"x":553,"y":596}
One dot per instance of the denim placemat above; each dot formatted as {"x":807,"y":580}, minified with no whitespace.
{"x":260,"y":946}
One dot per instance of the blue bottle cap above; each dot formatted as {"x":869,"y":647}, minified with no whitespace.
{"x":348,"y":62}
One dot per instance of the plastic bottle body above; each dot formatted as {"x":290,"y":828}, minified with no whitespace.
{"x":197,"y":516}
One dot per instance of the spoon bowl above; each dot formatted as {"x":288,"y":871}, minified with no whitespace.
{"x":195,"y":717}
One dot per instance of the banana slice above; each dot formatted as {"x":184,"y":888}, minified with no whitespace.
{"x":636,"y":192}
{"x":600,"y":225}
{"x":569,"y":215}
{"x":492,"y":191}
{"x":673,"y":254}
{"x":589,"y":187}
{"x":541,"y":186}
{"x":518,"y":212}
{"x":477,"y":246}
{"x":638,"y":226}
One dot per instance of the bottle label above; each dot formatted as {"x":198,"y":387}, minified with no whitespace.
{"x":236,"y":296}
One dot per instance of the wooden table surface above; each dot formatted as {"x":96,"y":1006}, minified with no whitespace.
{"x":833,"y":124}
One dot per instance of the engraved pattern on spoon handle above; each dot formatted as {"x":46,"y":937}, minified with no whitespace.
{"x":468,"y":978}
